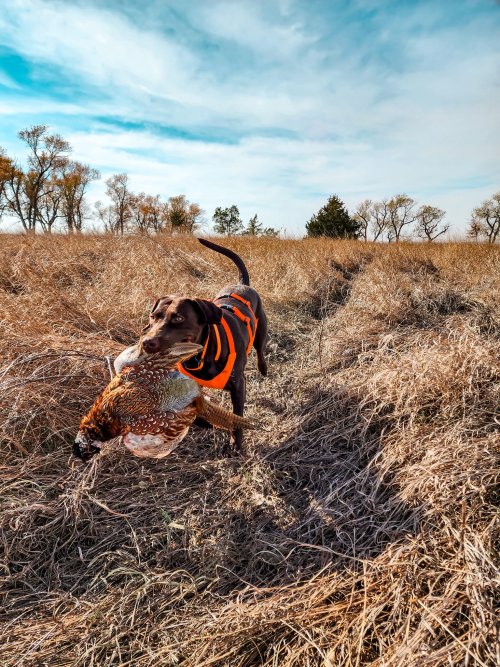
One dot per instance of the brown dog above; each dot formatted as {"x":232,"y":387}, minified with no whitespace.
{"x":227,"y":327}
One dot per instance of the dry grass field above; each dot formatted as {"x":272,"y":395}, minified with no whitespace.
{"x":359,"y":527}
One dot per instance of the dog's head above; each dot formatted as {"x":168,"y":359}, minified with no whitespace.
{"x":175,"y":319}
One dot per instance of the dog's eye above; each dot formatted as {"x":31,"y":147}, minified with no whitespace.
{"x":177,"y":319}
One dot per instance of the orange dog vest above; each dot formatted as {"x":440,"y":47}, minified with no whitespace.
{"x":220,"y":332}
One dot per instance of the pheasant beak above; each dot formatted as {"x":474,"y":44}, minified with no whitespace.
{"x":84,"y":448}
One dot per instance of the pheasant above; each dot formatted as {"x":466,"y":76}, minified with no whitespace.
{"x":151,"y":405}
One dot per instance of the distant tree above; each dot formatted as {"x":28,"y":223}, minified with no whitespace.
{"x":227,"y":221}
{"x":380,"y":218}
{"x":32,"y":194}
{"x":140,"y":212}
{"x":184,"y":216}
{"x":334,"y":221}
{"x":253,"y":228}
{"x":121,"y":198}
{"x":475,"y":230}
{"x":270,"y":231}
{"x":5,"y":171}
{"x":177,"y":207}
{"x":49,"y":204}
{"x":429,"y":219}
{"x":148,"y":213}
{"x":362,"y":215}
{"x":195,"y":217}
{"x":400,"y":213}
{"x":74,"y":181}
{"x":372,"y":217}
{"x":487,"y":217}
{"x":106,"y":216}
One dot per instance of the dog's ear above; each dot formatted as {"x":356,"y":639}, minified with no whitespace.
{"x":168,"y":300}
{"x":208,"y":311}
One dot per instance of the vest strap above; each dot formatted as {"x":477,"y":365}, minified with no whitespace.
{"x":220,"y":380}
{"x":251,"y":326}
{"x":203,"y":353}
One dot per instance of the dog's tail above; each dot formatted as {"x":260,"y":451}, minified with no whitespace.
{"x":242,"y":269}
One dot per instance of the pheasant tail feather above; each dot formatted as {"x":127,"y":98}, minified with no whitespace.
{"x":218,"y":416}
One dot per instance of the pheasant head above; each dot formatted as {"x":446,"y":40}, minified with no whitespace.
{"x":127,"y":393}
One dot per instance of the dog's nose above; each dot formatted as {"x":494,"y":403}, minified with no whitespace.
{"x":151,"y":345}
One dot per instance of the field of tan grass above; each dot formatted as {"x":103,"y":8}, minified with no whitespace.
{"x":361,"y":527}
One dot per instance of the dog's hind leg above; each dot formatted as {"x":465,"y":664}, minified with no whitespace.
{"x":238,"y":396}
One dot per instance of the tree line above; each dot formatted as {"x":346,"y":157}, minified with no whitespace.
{"x":50,"y":188}
{"x":398,"y":218}
{"x":50,"y":192}
{"x":228,"y":221}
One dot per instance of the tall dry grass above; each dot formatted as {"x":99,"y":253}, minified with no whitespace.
{"x":360,"y":528}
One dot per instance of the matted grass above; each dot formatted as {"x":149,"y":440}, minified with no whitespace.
{"x":359,"y":528}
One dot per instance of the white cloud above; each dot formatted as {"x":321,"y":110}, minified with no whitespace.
{"x":100,"y":46}
{"x":144,"y":73}
{"x":244,"y":23}
{"x":7,"y":81}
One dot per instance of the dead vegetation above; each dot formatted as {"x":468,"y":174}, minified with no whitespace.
{"x":361,"y":528}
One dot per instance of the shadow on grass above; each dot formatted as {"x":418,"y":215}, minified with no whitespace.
{"x":311,"y":501}
{"x":329,"y":506}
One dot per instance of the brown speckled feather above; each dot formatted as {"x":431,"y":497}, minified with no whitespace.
{"x":151,"y":406}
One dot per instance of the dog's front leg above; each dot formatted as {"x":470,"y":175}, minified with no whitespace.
{"x":238,"y":395}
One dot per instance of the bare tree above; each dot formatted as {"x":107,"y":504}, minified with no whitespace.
{"x":474,"y":231}
{"x":75,"y":180}
{"x":429,"y":219}
{"x":145,"y":213}
{"x":195,"y":215}
{"x":141,"y":209}
{"x":13,"y":189}
{"x":372,"y":216}
{"x":121,"y":198}
{"x":487,"y":217}
{"x":51,"y":188}
{"x":149,"y":213}
{"x":31,"y":194}
{"x":380,"y":218}
{"x":401,"y":213}
{"x":49,"y":205}
{"x":363,"y":216}
{"x":106,"y":216}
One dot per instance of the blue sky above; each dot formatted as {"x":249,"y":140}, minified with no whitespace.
{"x":272,"y":105}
